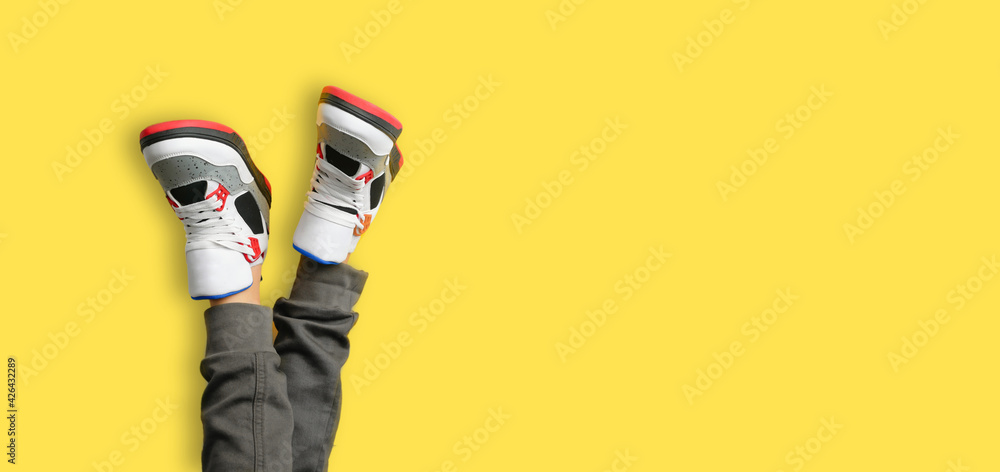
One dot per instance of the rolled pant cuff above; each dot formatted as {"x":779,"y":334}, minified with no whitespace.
{"x":238,"y":327}
{"x":335,"y":286}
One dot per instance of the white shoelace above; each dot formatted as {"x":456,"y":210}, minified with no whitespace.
{"x":206,"y":226}
{"x":332,"y":187}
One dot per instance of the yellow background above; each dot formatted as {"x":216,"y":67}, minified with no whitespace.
{"x":62,"y":236}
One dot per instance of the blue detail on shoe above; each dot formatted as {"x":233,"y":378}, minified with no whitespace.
{"x":216,"y":297}
{"x":312,"y":256}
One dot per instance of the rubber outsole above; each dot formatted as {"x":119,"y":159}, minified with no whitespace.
{"x":216,"y":297}
{"x":313,"y":256}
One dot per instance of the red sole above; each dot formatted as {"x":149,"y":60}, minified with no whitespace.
{"x":169,"y":125}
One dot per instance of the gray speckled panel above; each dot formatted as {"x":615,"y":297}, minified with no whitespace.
{"x":181,"y":170}
{"x":352,"y":147}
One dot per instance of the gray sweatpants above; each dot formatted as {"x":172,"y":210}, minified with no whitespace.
{"x":275,"y":407}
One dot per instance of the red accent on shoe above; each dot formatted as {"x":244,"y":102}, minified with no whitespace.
{"x":367,"y":221}
{"x":222,"y":194}
{"x":169,"y":125}
{"x":266,"y":182}
{"x":364,"y":105}
{"x":172,"y":202}
{"x":255,"y":245}
{"x":368,"y":176}
{"x":319,"y":151}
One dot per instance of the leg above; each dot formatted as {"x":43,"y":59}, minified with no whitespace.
{"x":313,"y":324}
{"x":224,"y":202}
{"x":356,"y":158}
{"x":246,"y":415}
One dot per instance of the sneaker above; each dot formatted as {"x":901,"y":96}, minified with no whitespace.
{"x":220,"y":196}
{"x":356,"y":158}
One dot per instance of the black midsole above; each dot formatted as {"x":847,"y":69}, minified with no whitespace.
{"x":358,"y":112}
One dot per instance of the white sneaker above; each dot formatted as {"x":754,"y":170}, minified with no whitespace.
{"x":356,"y":158}
{"x":220,"y":196}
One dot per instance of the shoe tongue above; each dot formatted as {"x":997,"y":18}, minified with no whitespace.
{"x":190,"y":193}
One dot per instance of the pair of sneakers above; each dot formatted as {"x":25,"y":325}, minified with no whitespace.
{"x":224,"y":200}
